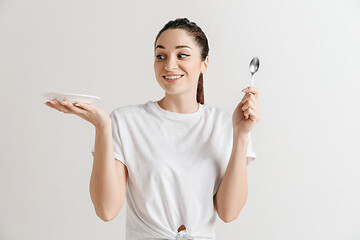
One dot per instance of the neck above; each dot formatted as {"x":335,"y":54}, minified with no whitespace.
{"x":179,"y":105}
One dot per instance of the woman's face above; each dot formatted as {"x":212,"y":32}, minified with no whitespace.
{"x":177,"y":54}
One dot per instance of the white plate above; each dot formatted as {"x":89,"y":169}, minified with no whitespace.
{"x":72,"y":97}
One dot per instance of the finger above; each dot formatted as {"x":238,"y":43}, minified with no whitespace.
{"x":251,"y":114}
{"x":245,"y":106}
{"x":255,"y":116}
{"x":252,"y":91}
{"x":49,"y":104}
{"x":245,"y":98}
{"x":246,"y":114}
{"x":254,"y":102}
{"x":252,"y":117}
{"x":55,"y":104}
{"x":86,"y":106}
{"x":249,"y":104}
{"x":60,"y":107}
{"x":252,"y":99}
{"x":250,"y":107}
{"x":73,"y":108}
{"x":52,"y":104}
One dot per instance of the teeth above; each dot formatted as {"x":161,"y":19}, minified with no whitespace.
{"x":172,"y":77}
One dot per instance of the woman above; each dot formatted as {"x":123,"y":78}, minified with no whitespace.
{"x":186,"y":161}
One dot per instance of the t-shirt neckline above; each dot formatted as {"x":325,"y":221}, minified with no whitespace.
{"x":176,"y":116}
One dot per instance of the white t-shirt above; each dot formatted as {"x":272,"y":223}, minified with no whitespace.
{"x":175,"y":163}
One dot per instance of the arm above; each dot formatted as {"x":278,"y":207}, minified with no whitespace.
{"x":232,"y":193}
{"x":108,"y":178}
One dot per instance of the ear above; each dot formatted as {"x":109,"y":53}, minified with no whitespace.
{"x":204,"y":65}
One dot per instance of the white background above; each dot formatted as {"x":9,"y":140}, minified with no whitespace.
{"x":304,"y":183}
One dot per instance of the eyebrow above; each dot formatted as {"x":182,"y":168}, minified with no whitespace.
{"x":177,"y":47}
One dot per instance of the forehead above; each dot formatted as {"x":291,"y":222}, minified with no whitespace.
{"x":171,"y":38}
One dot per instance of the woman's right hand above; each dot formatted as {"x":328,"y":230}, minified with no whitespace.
{"x":91,"y":113}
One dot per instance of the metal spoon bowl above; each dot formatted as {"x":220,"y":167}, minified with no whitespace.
{"x":254,"y":67}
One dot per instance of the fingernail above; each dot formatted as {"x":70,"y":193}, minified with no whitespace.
{"x":52,"y":102}
{"x":244,"y":90}
{"x":63,"y":103}
{"x":77,"y":104}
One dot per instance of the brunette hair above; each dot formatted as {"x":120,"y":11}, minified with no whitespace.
{"x":201,"y":40}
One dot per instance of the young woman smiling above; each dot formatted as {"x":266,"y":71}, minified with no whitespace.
{"x":178,"y":161}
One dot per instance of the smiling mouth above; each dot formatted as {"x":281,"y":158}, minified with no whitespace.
{"x":173,"y":78}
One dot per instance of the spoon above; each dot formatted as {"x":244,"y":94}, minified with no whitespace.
{"x":254,"y":67}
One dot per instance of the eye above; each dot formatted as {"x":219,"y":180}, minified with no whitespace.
{"x":184,"y":54}
{"x":157,"y":56}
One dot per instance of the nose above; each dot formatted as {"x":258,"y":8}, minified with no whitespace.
{"x":171,"y":63}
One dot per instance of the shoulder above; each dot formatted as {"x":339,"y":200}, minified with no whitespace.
{"x":127,"y":109}
{"x":217,"y":113}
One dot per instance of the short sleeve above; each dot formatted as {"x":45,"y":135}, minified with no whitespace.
{"x":250,"y":154}
{"x":116,"y":125}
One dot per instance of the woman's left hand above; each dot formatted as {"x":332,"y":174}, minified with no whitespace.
{"x":247,"y":113}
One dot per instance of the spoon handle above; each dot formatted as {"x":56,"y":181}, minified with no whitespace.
{"x":252,"y":79}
